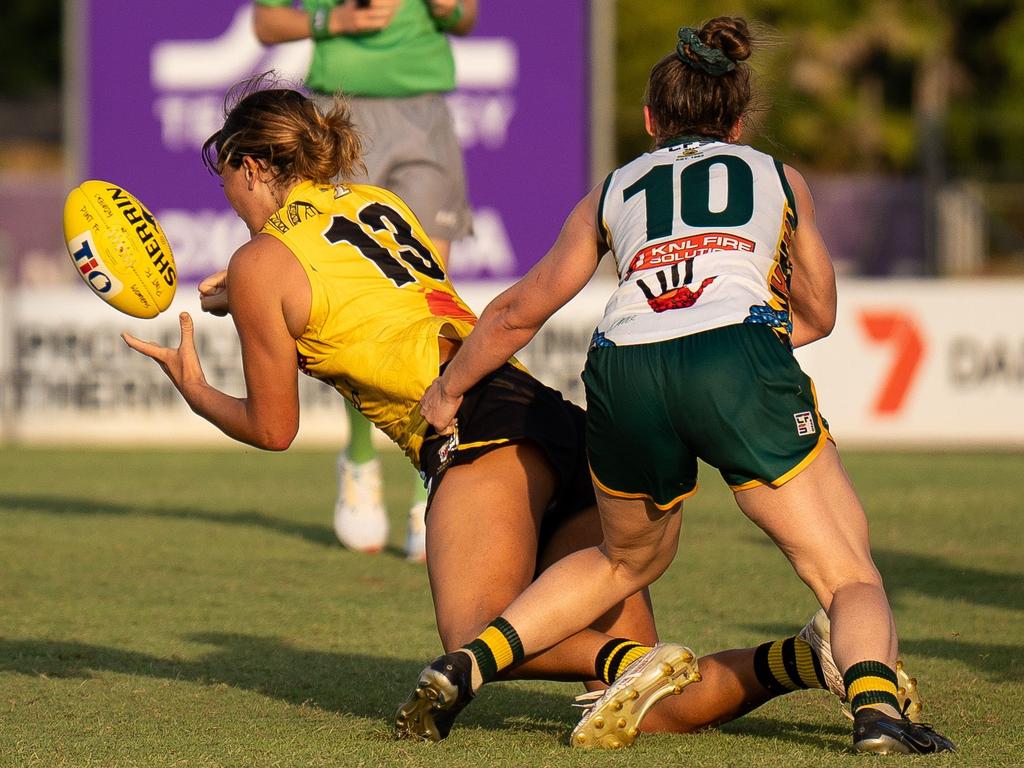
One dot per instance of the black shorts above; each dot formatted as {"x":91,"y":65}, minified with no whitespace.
{"x":511,"y":406}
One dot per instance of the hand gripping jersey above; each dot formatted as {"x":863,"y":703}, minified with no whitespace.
{"x":380,"y":300}
{"x":701,"y":233}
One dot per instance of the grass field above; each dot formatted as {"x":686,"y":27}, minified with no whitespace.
{"x":186,"y":608}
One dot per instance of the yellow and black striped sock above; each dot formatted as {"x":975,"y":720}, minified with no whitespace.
{"x":615,"y":656}
{"x":787,"y":665}
{"x":496,"y":648}
{"x":870,"y":684}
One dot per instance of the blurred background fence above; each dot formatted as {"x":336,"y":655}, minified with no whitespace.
{"x":906,"y":117}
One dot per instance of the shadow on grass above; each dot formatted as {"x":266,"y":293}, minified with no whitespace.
{"x":828,"y":738}
{"x":63,"y":505}
{"x":998,"y":663}
{"x":934,"y":577}
{"x":903,"y":571}
{"x":362,"y":685}
{"x":319,"y":534}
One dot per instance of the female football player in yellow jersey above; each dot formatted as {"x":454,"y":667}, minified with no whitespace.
{"x":718,"y":280}
{"x":340,"y":282}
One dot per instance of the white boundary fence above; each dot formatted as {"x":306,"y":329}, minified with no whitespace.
{"x":911,"y":363}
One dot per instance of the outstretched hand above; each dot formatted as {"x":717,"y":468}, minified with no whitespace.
{"x":182,"y":364}
{"x":439,"y":409}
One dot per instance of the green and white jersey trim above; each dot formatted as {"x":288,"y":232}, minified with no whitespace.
{"x":700,"y":231}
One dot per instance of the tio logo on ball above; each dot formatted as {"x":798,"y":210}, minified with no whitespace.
{"x":89,"y":266}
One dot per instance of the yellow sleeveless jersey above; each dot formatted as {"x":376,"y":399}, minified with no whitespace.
{"x":381,"y":298}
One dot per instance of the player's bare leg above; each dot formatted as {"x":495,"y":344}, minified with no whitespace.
{"x":448,"y":683}
{"x":482,"y":550}
{"x":729,"y":687}
{"x":639,"y":544}
{"x":472,"y":585}
{"x":818,"y":522}
{"x":497,"y":503}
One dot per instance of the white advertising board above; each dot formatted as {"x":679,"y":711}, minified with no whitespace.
{"x":926,"y":363}
{"x":910,"y":363}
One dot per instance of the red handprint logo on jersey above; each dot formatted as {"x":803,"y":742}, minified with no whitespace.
{"x":673,"y":295}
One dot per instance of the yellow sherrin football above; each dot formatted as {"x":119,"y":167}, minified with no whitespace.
{"x":119,"y":249}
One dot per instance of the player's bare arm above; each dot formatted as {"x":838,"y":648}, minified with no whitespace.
{"x":813,"y":284}
{"x":263,"y":311}
{"x":514,"y":317}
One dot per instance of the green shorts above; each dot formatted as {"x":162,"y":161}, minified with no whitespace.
{"x":734,"y":397}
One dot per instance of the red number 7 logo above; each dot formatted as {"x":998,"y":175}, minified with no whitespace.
{"x":901,"y":332}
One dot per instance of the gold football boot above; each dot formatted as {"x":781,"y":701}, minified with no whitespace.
{"x":613,"y":716}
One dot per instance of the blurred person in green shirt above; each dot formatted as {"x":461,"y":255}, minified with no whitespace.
{"x":392,"y":61}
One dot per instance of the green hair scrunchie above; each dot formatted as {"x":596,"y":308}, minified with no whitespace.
{"x":710,"y":60}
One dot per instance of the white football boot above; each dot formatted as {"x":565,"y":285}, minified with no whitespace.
{"x":816,"y":633}
{"x":613,"y":716}
{"x":360,"y":520}
{"x":416,"y":538}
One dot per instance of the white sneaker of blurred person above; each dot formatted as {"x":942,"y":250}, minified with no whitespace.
{"x":416,"y":538}
{"x":360,"y":520}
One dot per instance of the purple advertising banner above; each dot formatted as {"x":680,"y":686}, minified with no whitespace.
{"x":154,"y":85}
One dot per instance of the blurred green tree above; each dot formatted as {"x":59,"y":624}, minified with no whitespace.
{"x":30,"y":47}
{"x":898,"y":86}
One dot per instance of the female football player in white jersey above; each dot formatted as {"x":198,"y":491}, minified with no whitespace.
{"x":721,"y":272}
{"x":341,"y":282}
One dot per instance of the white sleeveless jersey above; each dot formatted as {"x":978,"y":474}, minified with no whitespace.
{"x":701,"y":232}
